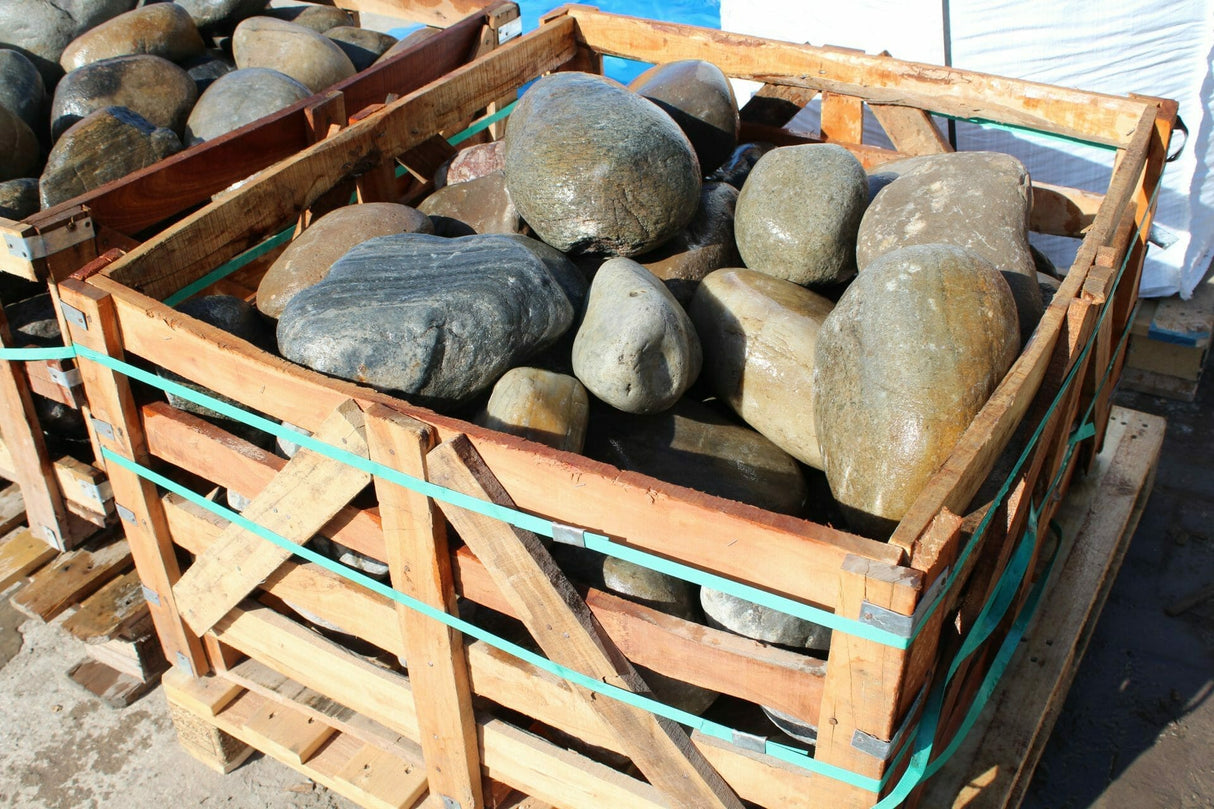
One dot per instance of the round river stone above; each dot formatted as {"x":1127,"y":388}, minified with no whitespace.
{"x":706,"y":244}
{"x":239,"y":98}
{"x":19,"y":149}
{"x":541,"y":406}
{"x":162,"y":29}
{"x":301,"y":53}
{"x":477,"y":206}
{"x":362,"y":45}
{"x":19,"y":198}
{"x":21,"y":88}
{"x":700,"y":99}
{"x":149,"y":86}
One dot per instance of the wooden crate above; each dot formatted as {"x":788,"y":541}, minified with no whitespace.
{"x":866,"y":698}
{"x":66,"y":499}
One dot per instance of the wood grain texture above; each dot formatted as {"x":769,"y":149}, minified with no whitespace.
{"x":21,"y":553}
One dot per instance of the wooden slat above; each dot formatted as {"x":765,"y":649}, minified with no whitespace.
{"x":842,"y":118}
{"x":21,"y":553}
{"x":71,"y":578}
{"x":286,"y":734}
{"x":562,"y":625}
{"x":12,"y":509}
{"x":103,"y":615}
{"x":439,"y":13}
{"x":910,"y":130}
{"x":85,"y":491}
{"x":304,"y":496}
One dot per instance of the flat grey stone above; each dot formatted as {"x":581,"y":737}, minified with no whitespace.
{"x":106,"y":145}
{"x":41,"y":29}
{"x":798,"y":213}
{"x":19,"y":198}
{"x":308,"y":259}
{"x":19,"y":148}
{"x":905,"y":361}
{"x":149,"y":86}
{"x":362,"y":45}
{"x":762,"y":623}
{"x":437,"y":320}
{"x":705,"y":245}
{"x":700,"y":99}
{"x":239,"y":98}
{"x":593,"y":167}
{"x":21,"y":88}
{"x":221,"y":15}
{"x":162,"y":29}
{"x":759,"y":335}
{"x":539,"y":405}
{"x":310,"y":15}
{"x":301,"y":53}
{"x":482,"y":205}
{"x":636,"y":348}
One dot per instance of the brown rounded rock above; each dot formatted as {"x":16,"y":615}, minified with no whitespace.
{"x":19,"y":149}
{"x":759,"y":335}
{"x":149,"y":86}
{"x":362,"y":45}
{"x":408,"y":41}
{"x":21,"y":88}
{"x":478,"y":206}
{"x":705,"y":245}
{"x":316,"y":17}
{"x":700,"y":99}
{"x":162,"y":29}
{"x":301,"y":53}
{"x":905,"y":361}
{"x":541,"y":406}
{"x":19,"y":198}
{"x":309,"y":257}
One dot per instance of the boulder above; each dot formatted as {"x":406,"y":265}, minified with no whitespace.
{"x":208,"y":67}
{"x":478,"y":206}
{"x":636,"y":348}
{"x":162,"y":29}
{"x":21,"y":88}
{"x":103,"y":146}
{"x":221,"y":15}
{"x":41,"y":29}
{"x":408,"y":41}
{"x":150,"y":86}
{"x":308,"y":258}
{"x":471,"y":163}
{"x":301,"y":53}
{"x":700,"y":99}
{"x":904,"y":362}
{"x":19,"y":198}
{"x":541,"y":406}
{"x":315,"y":17}
{"x":762,"y":623}
{"x":438,"y":320}
{"x":706,"y":244}
{"x":19,"y":148}
{"x":239,"y":98}
{"x":593,"y":167}
{"x":759,"y":335}
{"x":798,"y":213}
{"x":361,"y":45}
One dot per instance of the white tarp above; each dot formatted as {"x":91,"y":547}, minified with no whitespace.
{"x":1159,"y":49}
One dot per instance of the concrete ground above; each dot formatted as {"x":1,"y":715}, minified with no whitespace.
{"x":1137,"y":731}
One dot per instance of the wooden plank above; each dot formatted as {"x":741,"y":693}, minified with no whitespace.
{"x":562,"y":625}
{"x":21,"y":553}
{"x":286,"y":734}
{"x":304,"y":496}
{"x":116,"y":606}
{"x":438,"y":13}
{"x":43,"y":383}
{"x":114,"y":688}
{"x":1062,"y":211}
{"x":995,"y":763}
{"x":911,"y":130}
{"x":419,"y":565}
{"x":71,"y":578}
{"x":12,"y":509}
{"x":842,"y":118}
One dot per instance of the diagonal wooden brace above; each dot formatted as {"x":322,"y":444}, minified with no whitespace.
{"x":564,"y":627}
{"x":305,"y":495}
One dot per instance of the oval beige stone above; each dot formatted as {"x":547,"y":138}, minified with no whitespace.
{"x":310,"y":58}
{"x":541,"y":406}
{"x":163,"y":29}
{"x":759,"y":334}
{"x":307,"y":260}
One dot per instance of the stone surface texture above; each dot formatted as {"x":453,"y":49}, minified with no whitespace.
{"x":161,"y":29}
{"x":541,"y":406}
{"x":706,"y":244}
{"x":361,"y":45}
{"x":147,"y":85}
{"x":19,"y":198}
{"x":700,"y":99}
{"x":239,"y":98}
{"x":301,"y":53}
{"x":21,"y":88}
{"x":19,"y":148}
{"x":482,"y":205}
{"x":41,"y":29}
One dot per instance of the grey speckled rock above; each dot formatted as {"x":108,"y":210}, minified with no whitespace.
{"x":700,"y":99}
{"x":19,"y":198}
{"x":208,"y":67}
{"x":762,"y":623}
{"x":706,"y":244}
{"x":239,"y":98}
{"x":478,"y":206}
{"x":541,"y":406}
{"x":595,"y":168}
{"x":798,"y":213}
{"x":362,"y":45}
{"x":107,"y":144}
{"x":149,"y":86}
{"x":438,"y":320}
{"x":163,"y":29}
{"x":41,"y":29}
{"x":759,"y":334}
{"x":19,"y":149}
{"x":905,"y":361}
{"x":315,"y":17}
{"x":636,"y":348}
{"x":301,"y":53}
{"x":738,"y":165}
{"x":221,"y":15}
{"x":307,"y":260}
{"x":21,"y":88}
{"x":472,"y":162}
{"x":976,"y":200}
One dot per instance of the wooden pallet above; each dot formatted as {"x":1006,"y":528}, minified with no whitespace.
{"x":1170,"y":343}
{"x":865,"y":691}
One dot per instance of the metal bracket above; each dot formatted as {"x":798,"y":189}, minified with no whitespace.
{"x":879,"y":748}
{"x":52,"y":536}
{"x":104,"y":429}
{"x":126,"y":514}
{"x":185,"y":665}
{"x":150,"y":595}
{"x":65,"y":379}
{"x":44,"y":244}
{"x":98,"y":492}
{"x":749,"y":741}
{"x":450,"y":803}
{"x":510,"y":30}
{"x":568,"y":535}
{"x":903,"y":625}
{"x":73,"y":315}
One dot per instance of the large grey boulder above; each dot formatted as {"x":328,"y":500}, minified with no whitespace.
{"x":21,"y":88}
{"x":41,"y":29}
{"x":798,"y":213}
{"x":315,"y":17}
{"x":362,"y":45}
{"x":700,"y":99}
{"x":150,"y":86}
{"x":301,"y":53}
{"x":911,"y":353}
{"x":438,"y":320}
{"x":593,"y":167}
{"x":162,"y":29}
{"x":238,"y":98}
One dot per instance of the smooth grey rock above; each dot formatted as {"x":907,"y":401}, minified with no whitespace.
{"x":700,"y":99}
{"x":239,"y":98}
{"x":696,"y":446}
{"x":759,"y":334}
{"x":482,"y":205}
{"x":149,"y":86}
{"x":221,"y":15}
{"x":19,"y":198}
{"x":636,"y":348}
{"x":312,"y":16}
{"x":286,"y":447}
{"x":541,"y":406}
{"x":105,"y":145}
{"x":905,"y":361}
{"x":977,"y":200}
{"x":438,"y":320}
{"x":19,"y":148}
{"x":738,"y":165}
{"x":362,"y":45}
{"x":706,"y":244}
{"x":593,"y":167}
{"x":301,"y":53}
{"x":21,"y":88}
{"x":41,"y":29}
{"x":408,"y":41}
{"x":308,"y":258}
{"x":162,"y":29}
{"x":798,"y":213}
{"x":471,"y":163}
{"x":762,"y":623}
{"x":207,"y":68}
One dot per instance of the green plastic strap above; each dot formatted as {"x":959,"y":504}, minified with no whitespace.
{"x":229,"y":267}
{"x":699,"y":723}
{"x":528,"y":522}
{"x":35,"y":354}
{"x":484,"y":123}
